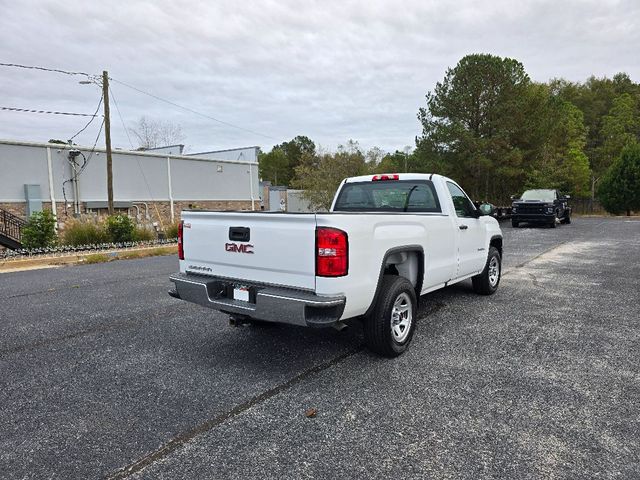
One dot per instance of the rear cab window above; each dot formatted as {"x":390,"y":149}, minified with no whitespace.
{"x":388,"y":196}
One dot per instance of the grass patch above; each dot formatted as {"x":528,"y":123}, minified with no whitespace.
{"x":152,"y":252}
{"x":129,"y":255}
{"x":97,"y":258}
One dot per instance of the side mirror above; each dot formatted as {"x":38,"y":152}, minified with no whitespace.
{"x":486,"y":209}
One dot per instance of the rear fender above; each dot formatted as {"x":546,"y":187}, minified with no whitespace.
{"x":406,"y":248}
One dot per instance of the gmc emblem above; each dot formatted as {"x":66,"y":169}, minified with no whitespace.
{"x":239,"y":248}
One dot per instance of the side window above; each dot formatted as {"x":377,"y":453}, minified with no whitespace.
{"x":462,"y":204}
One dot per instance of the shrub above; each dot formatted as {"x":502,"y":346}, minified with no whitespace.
{"x":120,"y":228}
{"x":143,"y":234}
{"x":172,"y":231}
{"x":84,"y":233}
{"x":40,"y":230}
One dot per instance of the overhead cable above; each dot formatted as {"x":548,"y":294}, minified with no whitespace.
{"x":33,"y":67}
{"x":95,"y":114}
{"x":192,"y":110}
{"x":29,"y":110}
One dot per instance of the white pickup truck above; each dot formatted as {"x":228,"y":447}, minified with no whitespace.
{"x":386,"y":240}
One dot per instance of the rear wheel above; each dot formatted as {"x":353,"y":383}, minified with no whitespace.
{"x":515,"y":223}
{"x":389,"y":329}
{"x":486,"y":283}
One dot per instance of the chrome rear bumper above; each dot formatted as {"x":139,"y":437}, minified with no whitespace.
{"x":272,"y":304}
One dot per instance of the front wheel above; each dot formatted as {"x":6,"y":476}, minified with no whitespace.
{"x":486,"y":283}
{"x":389,"y":329}
{"x":514,"y":223}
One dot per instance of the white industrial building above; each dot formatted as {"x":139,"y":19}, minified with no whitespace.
{"x":156,"y":184}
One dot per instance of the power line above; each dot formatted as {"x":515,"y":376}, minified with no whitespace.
{"x":93,"y":149}
{"x":95,"y":114}
{"x":193,"y":111}
{"x":32,"y":67}
{"x":84,"y":165}
{"x":144,"y":177}
{"x":126,"y":130}
{"x":29,"y":110}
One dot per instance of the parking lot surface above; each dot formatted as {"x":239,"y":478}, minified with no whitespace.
{"x":104,"y":375}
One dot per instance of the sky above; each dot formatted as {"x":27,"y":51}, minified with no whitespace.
{"x":330,"y":70}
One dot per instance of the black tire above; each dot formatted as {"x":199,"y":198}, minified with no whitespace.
{"x":553,"y":223}
{"x":484,"y":283}
{"x":378,"y":334}
{"x":567,"y":220}
{"x":515,"y":223}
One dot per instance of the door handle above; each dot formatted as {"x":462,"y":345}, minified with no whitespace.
{"x":463,"y":227}
{"x":239,"y":234}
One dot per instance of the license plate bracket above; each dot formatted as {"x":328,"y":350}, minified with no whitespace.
{"x":242,"y":293}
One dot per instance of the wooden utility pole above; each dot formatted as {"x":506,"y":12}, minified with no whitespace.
{"x":107,"y":139}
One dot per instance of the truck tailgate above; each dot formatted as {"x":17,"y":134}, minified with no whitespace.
{"x":279,"y":250}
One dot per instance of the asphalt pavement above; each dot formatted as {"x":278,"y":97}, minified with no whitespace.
{"x":103,"y":375}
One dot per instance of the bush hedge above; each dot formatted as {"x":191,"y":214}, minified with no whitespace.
{"x":120,"y":228}
{"x":117,"y":229}
{"x":40,"y":230}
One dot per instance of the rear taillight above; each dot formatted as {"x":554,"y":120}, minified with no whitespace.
{"x":379,"y":178}
{"x":180,"y":241}
{"x":332,"y":252}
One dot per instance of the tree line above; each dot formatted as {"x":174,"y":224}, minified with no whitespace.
{"x":494,"y":130}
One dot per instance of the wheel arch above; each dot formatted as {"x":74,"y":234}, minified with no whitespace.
{"x":496,"y":241}
{"x":414,"y":249}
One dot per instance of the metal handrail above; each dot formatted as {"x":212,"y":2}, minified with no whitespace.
{"x":11,"y":225}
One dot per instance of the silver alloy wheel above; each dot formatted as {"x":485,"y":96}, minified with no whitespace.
{"x":401,"y":318}
{"x":494,"y":271}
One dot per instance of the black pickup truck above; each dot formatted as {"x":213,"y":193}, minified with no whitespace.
{"x":540,"y":206}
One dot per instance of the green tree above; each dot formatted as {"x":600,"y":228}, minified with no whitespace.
{"x":319,"y":175}
{"x":391,"y":163}
{"x":561,"y":162}
{"x":40,"y":230}
{"x":274,"y":167}
{"x":620,"y":127}
{"x":619,"y":190}
{"x":476,"y":122}
{"x":296,"y":148}
{"x":279,"y":164}
{"x":596,"y":98}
